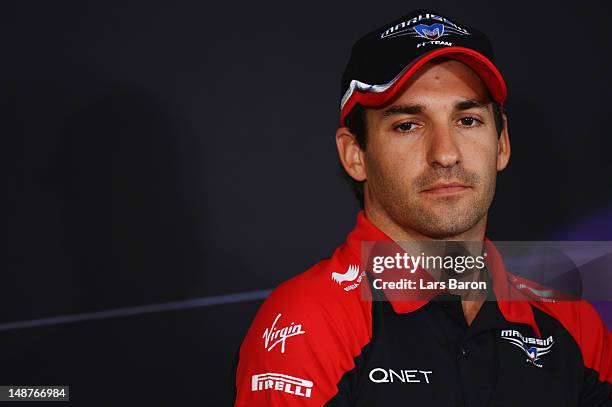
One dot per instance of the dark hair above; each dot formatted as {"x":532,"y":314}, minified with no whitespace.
{"x":357,"y":123}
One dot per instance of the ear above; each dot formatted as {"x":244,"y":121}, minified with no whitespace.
{"x":351,"y":155}
{"x":503,"y":146}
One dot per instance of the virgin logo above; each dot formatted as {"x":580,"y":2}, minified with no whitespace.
{"x":273,"y":335}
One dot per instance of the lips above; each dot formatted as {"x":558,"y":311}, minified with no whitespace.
{"x":446,"y":188}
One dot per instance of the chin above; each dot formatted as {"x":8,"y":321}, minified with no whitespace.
{"x":450,"y":224}
{"x":444,"y":232}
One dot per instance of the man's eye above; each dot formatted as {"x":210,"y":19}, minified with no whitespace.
{"x":406,"y":126}
{"x":469,"y":121}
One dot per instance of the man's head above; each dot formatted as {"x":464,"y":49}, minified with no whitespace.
{"x":356,"y":122}
{"x":422,"y":130}
{"x":439,"y":131}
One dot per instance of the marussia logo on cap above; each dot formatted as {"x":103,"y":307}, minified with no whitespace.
{"x":534,"y":348}
{"x":430,"y":32}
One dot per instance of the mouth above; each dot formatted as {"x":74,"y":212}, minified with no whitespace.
{"x":446,"y":188}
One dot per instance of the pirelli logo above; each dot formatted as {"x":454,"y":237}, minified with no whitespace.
{"x":281,"y":382}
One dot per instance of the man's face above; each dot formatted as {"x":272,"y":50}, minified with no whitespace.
{"x":432,"y":153}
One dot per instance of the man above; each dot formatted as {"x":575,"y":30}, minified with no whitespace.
{"x":422,"y":136}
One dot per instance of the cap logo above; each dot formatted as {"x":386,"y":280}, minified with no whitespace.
{"x":430,"y":32}
{"x":443,"y":27}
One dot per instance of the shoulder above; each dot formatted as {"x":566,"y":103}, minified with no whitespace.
{"x":582,"y":321}
{"x":326,"y":297}
{"x":577,"y":317}
{"x":308,"y":331}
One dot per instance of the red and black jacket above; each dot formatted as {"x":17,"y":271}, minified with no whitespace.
{"x":316,"y":341}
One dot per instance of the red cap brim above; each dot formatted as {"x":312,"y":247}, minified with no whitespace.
{"x":485,"y":69}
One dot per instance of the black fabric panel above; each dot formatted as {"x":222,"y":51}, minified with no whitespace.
{"x":595,"y":393}
{"x":348,"y":385}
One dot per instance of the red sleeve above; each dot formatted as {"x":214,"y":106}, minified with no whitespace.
{"x":589,"y":331}
{"x":303,"y":339}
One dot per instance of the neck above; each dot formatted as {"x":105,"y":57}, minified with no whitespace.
{"x":471,"y":304}
{"x":397,"y":232}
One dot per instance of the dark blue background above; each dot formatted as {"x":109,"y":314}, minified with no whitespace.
{"x":159,"y":151}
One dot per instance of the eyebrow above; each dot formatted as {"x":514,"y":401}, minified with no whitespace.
{"x":416,"y":109}
{"x":471,"y":103}
{"x":403,"y":109}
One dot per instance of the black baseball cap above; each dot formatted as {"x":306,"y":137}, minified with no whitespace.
{"x":383,"y":60}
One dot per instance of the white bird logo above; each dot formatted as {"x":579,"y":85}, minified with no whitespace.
{"x":351,"y":274}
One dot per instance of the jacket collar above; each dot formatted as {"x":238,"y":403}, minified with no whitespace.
{"x":513,"y":304}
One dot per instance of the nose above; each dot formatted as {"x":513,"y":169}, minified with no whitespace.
{"x":442,"y":149}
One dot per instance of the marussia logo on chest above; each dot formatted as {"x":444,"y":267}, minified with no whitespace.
{"x":534,"y":348}
{"x":273,"y":336}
